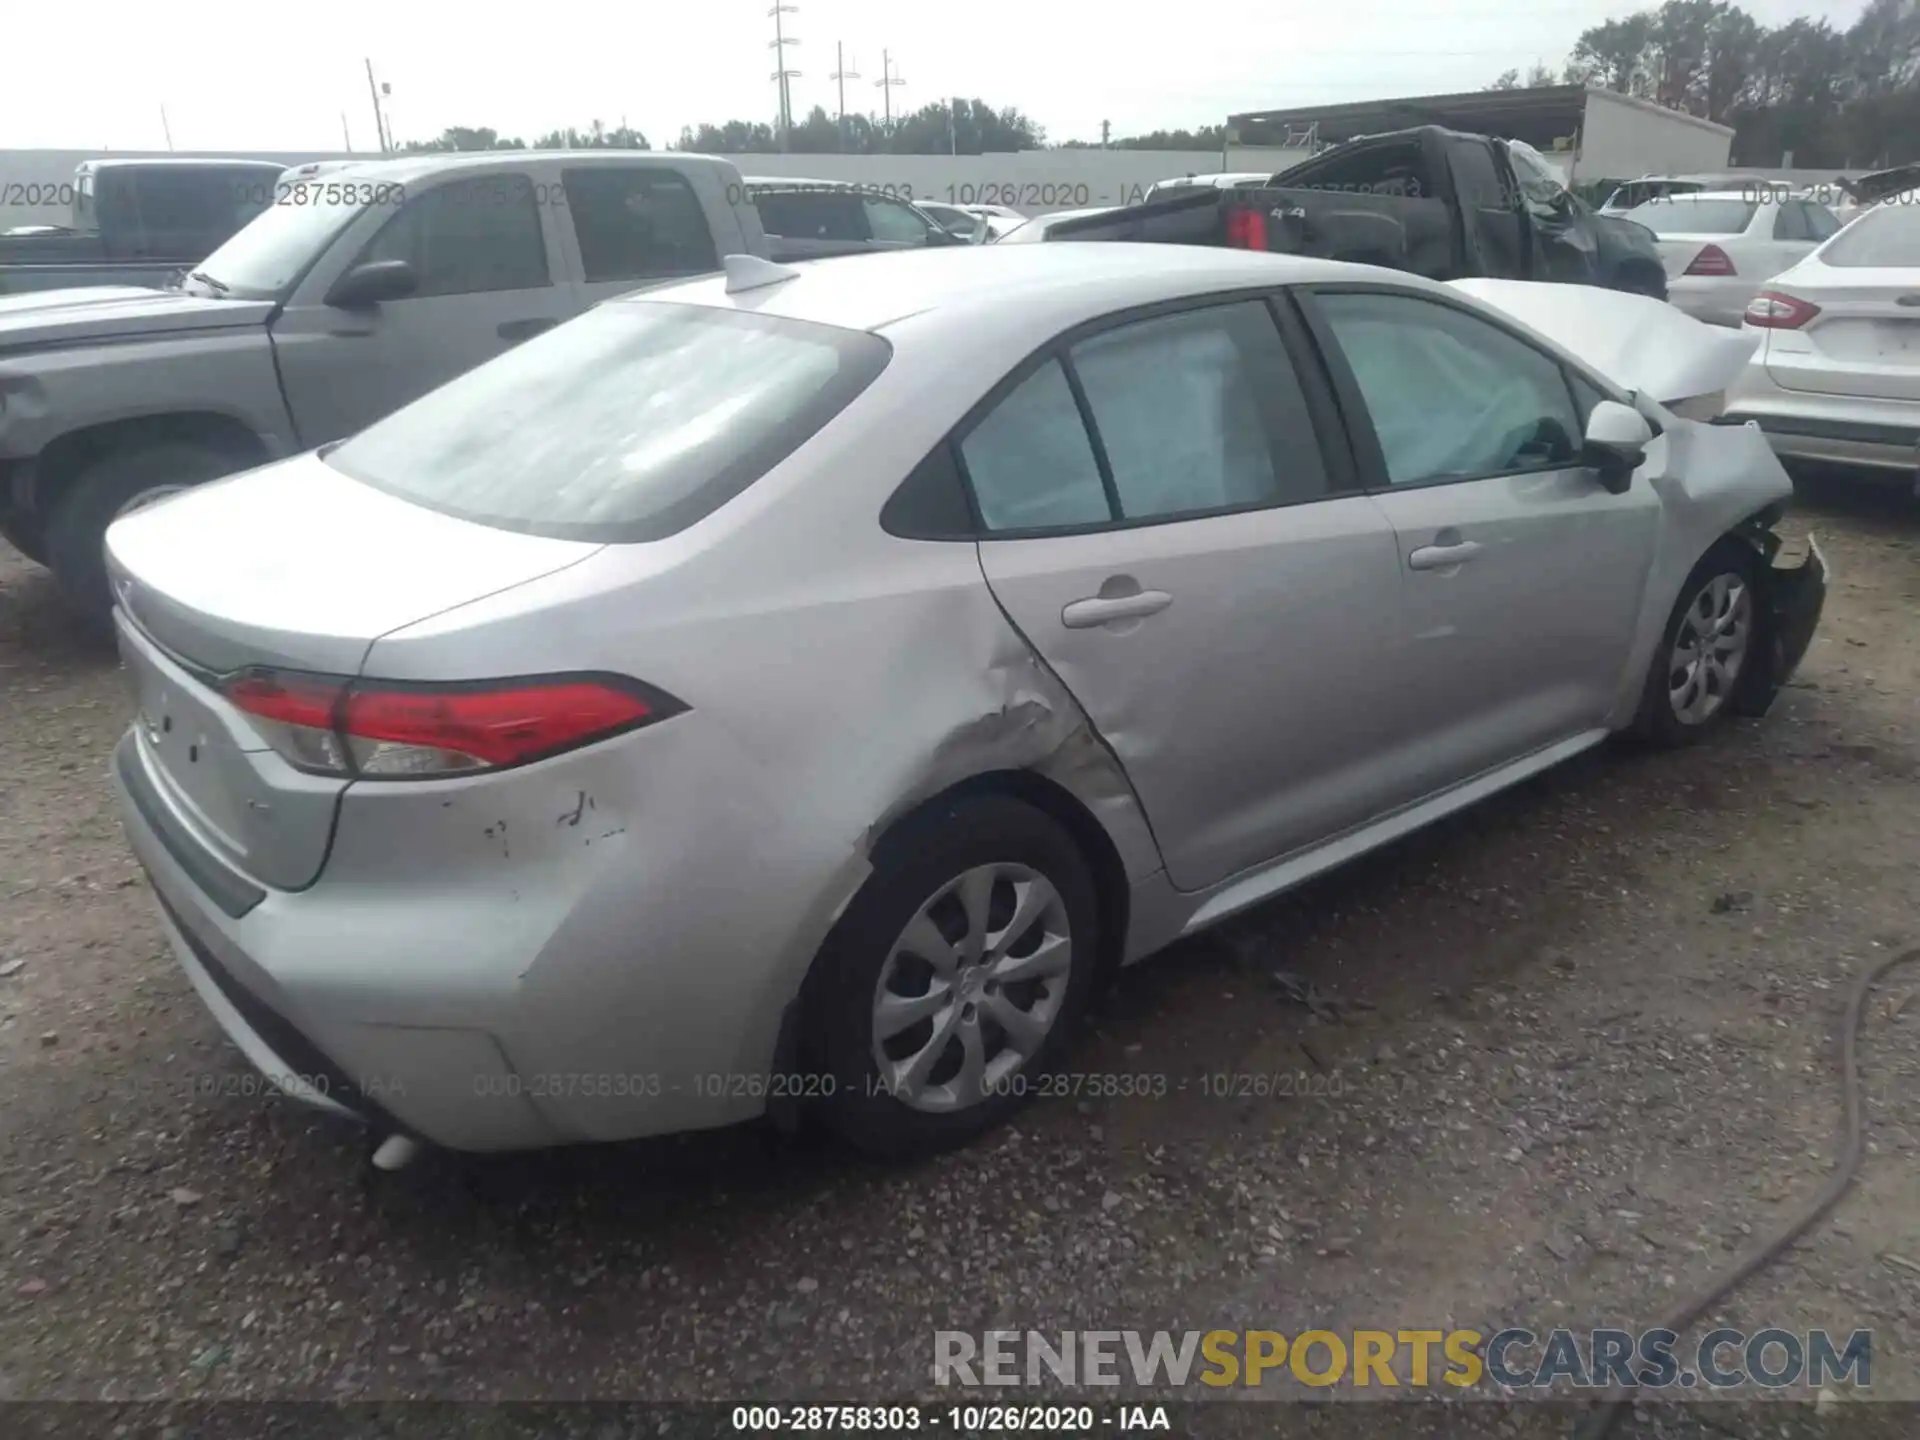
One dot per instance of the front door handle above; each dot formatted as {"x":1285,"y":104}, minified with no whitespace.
{"x":1105,"y":609}
{"x":514,"y":331}
{"x":1443,"y":557}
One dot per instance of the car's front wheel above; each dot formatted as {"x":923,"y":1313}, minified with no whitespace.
{"x":950,"y":988}
{"x":1711,"y":640}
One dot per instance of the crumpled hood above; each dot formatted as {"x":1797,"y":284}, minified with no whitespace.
{"x":94,"y":312}
{"x":1639,"y":343}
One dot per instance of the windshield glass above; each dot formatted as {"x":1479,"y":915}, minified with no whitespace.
{"x":629,"y":423}
{"x":273,"y":250}
{"x":1886,"y":236}
{"x":1684,"y":215}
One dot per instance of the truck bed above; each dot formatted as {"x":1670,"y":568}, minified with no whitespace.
{"x":1400,"y":232}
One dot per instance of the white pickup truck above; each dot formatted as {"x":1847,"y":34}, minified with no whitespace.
{"x":357,"y":289}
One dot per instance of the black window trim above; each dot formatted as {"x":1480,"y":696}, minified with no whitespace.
{"x":1336,"y":456}
{"x":459,"y":177}
{"x":1361,"y":435}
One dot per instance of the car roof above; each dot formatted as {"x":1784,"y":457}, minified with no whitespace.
{"x":975,"y":284}
{"x":160,"y":161}
{"x":438,"y":162}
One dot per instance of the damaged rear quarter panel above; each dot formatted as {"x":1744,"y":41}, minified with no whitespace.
{"x":825,"y":701}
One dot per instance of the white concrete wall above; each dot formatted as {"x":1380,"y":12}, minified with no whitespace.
{"x":1032,"y":181}
{"x":1622,"y":138}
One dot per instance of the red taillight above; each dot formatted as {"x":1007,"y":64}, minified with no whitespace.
{"x":1711,"y":260}
{"x":1246,"y":228}
{"x":380,"y":730}
{"x":1776,"y":310}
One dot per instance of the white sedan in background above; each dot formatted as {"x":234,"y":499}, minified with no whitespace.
{"x":1836,"y":375}
{"x":1720,"y":246}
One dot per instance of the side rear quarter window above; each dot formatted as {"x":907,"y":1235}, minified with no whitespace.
{"x":1030,"y":460}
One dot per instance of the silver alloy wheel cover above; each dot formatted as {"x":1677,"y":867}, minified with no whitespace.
{"x":153,"y":495}
{"x":1710,"y":648}
{"x":968,"y":985}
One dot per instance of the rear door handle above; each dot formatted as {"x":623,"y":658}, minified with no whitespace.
{"x":514,"y":331}
{"x":1103,"y":610}
{"x":1443,"y":557}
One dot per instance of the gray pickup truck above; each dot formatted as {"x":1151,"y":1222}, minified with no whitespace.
{"x":132,"y":222}
{"x":352,"y":294}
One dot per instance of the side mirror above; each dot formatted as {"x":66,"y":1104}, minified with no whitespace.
{"x":369,"y":284}
{"x":1616,"y":443}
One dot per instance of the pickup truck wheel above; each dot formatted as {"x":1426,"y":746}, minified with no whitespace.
{"x":114,"y":485}
{"x":25,"y":538}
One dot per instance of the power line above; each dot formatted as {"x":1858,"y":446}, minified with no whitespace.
{"x":842,"y":74}
{"x":781,"y":40}
{"x":886,"y":82}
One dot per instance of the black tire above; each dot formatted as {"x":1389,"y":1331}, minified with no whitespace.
{"x":76,"y":530}
{"x":838,"y":1004}
{"x":1645,"y":280}
{"x":1658,"y":721}
{"x":26,"y":538}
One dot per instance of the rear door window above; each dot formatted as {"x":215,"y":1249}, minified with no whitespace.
{"x":892,"y":221}
{"x":1200,"y":411}
{"x":468,"y":237}
{"x":637,"y":223}
{"x":812,"y":214}
{"x":628,"y":423}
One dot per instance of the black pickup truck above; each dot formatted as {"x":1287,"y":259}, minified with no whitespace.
{"x":1436,"y":202}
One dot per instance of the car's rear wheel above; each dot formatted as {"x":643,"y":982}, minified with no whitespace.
{"x":117,"y":484}
{"x":952,"y":985}
{"x":1711,"y":639}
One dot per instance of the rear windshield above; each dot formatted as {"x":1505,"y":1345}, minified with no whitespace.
{"x":1684,"y":215}
{"x":629,"y":423}
{"x":1887,"y":235}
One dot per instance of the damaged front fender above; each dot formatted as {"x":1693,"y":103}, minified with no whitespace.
{"x":1792,"y":597}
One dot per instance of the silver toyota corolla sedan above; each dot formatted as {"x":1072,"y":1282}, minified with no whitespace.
{"x":796,"y":689}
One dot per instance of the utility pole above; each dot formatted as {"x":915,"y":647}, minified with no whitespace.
{"x":781,"y":40}
{"x":953,"y":128}
{"x":1105,"y":131}
{"x":346,"y":135}
{"x":379,"y":120}
{"x":166,"y":129}
{"x":841,"y":74}
{"x":886,"y":82}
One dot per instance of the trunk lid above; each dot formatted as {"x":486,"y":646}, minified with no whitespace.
{"x":1864,"y":342}
{"x":92,"y":312}
{"x":294,"y":567}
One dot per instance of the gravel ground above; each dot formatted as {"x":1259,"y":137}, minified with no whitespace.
{"x":1580,"y":1056}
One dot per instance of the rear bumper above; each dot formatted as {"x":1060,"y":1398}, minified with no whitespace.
{"x":1835,"y":442}
{"x":1868,"y":431}
{"x":1715,"y":300}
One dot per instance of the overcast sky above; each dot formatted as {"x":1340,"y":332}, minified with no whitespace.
{"x":246,"y":76}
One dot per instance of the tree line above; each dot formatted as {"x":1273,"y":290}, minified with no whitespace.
{"x":1828,"y":97}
